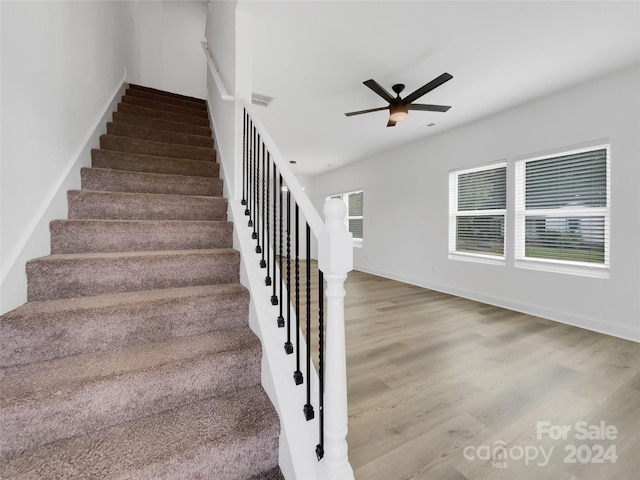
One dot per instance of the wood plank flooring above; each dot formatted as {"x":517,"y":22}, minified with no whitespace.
{"x":437,"y":384}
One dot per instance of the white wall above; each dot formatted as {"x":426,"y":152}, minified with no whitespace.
{"x":221,"y":33}
{"x":406,"y":206}
{"x":62,"y":63}
{"x":166,"y":52}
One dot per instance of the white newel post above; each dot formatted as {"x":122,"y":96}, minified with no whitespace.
{"x":335,"y":259}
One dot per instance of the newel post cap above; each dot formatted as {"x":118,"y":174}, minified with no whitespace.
{"x":335,"y":242}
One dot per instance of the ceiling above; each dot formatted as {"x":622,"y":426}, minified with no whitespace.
{"x":313,"y":56}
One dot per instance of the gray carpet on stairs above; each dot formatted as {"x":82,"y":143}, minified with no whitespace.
{"x":133,"y":357}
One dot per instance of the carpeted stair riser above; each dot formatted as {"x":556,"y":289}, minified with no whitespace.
{"x":157,"y":135}
{"x":144,"y":206}
{"x":40,"y":331}
{"x":153,"y":164}
{"x":103,"y":236}
{"x":159,"y":124}
{"x":87,"y":274}
{"x":130,"y":383}
{"x":112,"y":180}
{"x":226,"y":438}
{"x":152,"y":113}
{"x":165,"y":107}
{"x":147,"y":147}
{"x":132,"y":92}
{"x":164,"y":93}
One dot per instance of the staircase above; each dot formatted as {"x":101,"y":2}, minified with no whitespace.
{"x":133,"y":357}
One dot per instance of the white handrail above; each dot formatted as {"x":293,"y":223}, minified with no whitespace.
{"x":216,"y":76}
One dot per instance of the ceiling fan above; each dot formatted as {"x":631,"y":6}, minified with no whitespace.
{"x":399,"y":107}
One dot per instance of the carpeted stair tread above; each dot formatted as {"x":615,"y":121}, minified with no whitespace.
{"x":90,"y":204}
{"x":112,"y":180}
{"x":165,"y":107}
{"x":158,"y":135}
{"x":87,"y":274}
{"x":148,"y":147}
{"x":225,"y":438}
{"x":160,"y":124}
{"x":38,"y":331}
{"x":165,"y":93}
{"x":153,"y":164}
{"x":152,"y":113}
{"x":133,"y":92}
{"x":101,"y":236}
{"x":69,"y":396}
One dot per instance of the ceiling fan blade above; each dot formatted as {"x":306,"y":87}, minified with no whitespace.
{"x":445,"y":77}
{"x":428,"y":108}
{"x":360,"y":112}
{"x":391,"y":123}
{"x":376,"y":87}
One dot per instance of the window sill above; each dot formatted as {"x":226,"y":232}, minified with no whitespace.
{"x":477,"y":258}
{"x":594,"y":271}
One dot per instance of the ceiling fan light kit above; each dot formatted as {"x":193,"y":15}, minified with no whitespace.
{"x":399,"y":107}
{"x":399,"y":112}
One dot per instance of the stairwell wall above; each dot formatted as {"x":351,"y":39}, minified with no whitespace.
{"x":220,"y":34}
{"x":406,"y":206}
{"x":165,"y":50}
{"x":63,"y":65}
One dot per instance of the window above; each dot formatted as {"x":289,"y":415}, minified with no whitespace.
{"x":477,"y":207}
{"x":562,"y":211}
{"x":354,"y":220}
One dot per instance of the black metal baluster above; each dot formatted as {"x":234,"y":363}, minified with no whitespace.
{"x":247,"y":211}
{"x":320,"y":446}
{"x":259,"y":249}
{"x":297,"y":375}
{"x":256,"y":193}
{"x":244,"y":157}
{"x":265,"y":236}
{"x":288,"y":346}
{"x":274,"y":295}
{"x":308,"y":408}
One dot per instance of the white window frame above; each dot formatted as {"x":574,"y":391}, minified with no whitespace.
{"x":554,"y":265}
{"x":454,"y":213}
{"x":357,"y":242}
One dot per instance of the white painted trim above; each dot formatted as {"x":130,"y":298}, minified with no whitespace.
{"x":216,"y":76}
{"x":613,"y":329}
{"x":13,"y":277}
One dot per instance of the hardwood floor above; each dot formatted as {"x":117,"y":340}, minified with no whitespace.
{"x":437,"y":384}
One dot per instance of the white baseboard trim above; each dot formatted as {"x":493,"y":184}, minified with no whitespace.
{"x":36,"y":240}
{"x":608,"y":328}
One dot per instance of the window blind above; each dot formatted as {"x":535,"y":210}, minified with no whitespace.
{"x":562,"y":208}
{"x":354,"y":219}
{"x":483,"y":190}
{"x":578,"y":180}
{"x":478,"y":201}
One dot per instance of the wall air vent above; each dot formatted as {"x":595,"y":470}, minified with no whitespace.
{"x":260,"y":99}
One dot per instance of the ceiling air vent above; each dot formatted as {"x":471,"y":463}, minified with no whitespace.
{"x":260,"y":99}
